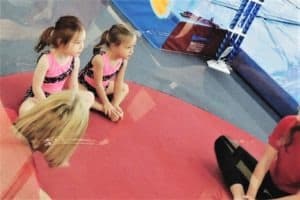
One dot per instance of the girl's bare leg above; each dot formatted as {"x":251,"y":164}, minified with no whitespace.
{"x":27,"y":105}
{"x":96,"y":105}
{"x":121,"y":97}
{"x":99,"y":107}
{"x":123,"y":94}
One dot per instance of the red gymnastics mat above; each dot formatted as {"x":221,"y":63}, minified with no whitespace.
{"x":17,"y":172}
{"x":162,"y":149}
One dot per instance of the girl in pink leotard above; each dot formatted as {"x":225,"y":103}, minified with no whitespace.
{"x":59,"y":63}
{"x":104,"y":74}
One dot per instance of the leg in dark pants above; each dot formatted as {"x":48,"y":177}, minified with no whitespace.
{"x":237,"y":166}
{"x":234,"y":162}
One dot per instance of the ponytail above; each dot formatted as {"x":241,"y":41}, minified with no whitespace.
{"x":112,"y":36}
{"x":104,"y":40}
{"x":65,"y":28}
{"x":45,"y":39}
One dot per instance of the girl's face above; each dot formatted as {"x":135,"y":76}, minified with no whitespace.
{"x":76,"y":44}
{"x":126,"y":48}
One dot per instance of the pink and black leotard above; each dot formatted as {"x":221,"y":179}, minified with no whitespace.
{"x":86,"y":75}
{"x":56,"y":75}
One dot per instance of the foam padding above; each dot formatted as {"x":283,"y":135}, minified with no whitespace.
{"x":195,"y":39}
{"x":142,"y":17}
{"x":17,"y":173}
{"x":162,"y":149}
{"x":13,"y":87}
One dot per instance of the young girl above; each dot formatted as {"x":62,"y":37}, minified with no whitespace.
{"x":275,"y":176}
{"x":57,"y":134}
{"x":104,"y":74}
{"x":61,"y":62}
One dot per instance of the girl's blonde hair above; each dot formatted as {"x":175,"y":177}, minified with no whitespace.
{"x":54,"y":126}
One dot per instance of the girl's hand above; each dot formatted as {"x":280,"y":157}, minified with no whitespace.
{"x":120,"y":111}
{"x":116,"y":114}
{"x":111,"y":112}
{"x":108,"y":108}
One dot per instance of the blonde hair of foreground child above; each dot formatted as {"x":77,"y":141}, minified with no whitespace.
{"x":55,"y":126}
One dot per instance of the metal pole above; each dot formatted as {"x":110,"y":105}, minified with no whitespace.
{"x":239,"y":27}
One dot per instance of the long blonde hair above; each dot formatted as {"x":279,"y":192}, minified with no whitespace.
{"x":54,"y":126}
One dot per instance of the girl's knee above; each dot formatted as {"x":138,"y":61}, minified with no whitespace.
{"x":26,"y":106}
{"x":87,"y":96}
{"x":125,"y":88}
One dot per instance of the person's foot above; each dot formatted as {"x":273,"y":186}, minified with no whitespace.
{"x":120,"y":112}
{"x":113,"y":118}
